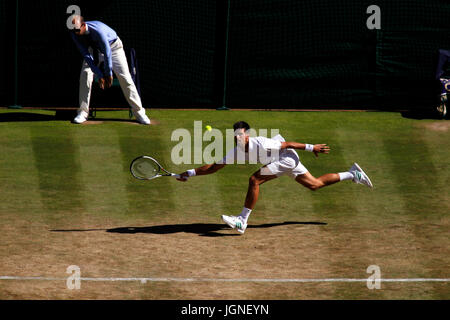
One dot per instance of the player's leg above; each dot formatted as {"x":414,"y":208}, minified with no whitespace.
{"x":121,"y":70}
{"x":313,"y":183}
{"x":258,"y":178}
{"x":355,"y":174}
{"x":85,"y":89}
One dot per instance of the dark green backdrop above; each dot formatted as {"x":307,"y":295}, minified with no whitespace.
{"x":5,"y":44}
{"x":281,"y":53}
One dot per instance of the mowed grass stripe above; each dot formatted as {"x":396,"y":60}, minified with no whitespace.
{"x":147,"y":199}
{"x":384,"y":211}
{"x":436,"y":223}
{"x":412,"y":170}
{"x":199,"y":199}
{"x":439,"y":154}
{"x":103,"y":179}
{"x":19,"y":187}
{"x":333,"y":204}
{"x":202,"y":202}
{"x":372,"y":210}
{"x":58,"y":166}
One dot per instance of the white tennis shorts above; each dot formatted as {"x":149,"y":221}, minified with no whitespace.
{"x":287,"y":165}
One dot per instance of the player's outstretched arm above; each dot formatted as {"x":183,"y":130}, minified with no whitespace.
{"x":316,"y":148}
{"x":201,"y":171}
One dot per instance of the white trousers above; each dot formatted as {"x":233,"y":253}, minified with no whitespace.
{"x":122,"y":72}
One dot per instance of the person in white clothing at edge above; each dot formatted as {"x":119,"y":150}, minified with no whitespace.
{"x":279,"y":158}
{"x":95,"y":35}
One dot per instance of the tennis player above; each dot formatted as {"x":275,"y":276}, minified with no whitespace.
{"x":95,"y":37}
{"x":279,"y":158}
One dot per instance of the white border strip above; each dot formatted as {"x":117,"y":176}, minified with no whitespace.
{"x":144,"y":280}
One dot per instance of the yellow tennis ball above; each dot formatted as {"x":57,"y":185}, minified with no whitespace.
{"x":209,"y":128}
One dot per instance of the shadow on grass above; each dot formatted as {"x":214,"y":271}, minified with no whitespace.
{"x":71,"y":114}
{"x":125,"y":119}
{"x":68,"y":115}
{"x":202,"y":229}
{"x":25,"y":116}
{"x":421,"y":115}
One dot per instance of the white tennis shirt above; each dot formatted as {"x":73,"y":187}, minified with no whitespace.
{"x":260,"y":150}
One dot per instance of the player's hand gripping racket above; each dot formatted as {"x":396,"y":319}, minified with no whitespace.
{"x":147,"y":168}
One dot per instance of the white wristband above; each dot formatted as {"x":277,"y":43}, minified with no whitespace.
{"x":309,"y":147}
{"x":191,"y":172}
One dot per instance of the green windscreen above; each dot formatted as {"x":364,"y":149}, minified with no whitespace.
{"x":305,"y":53}
{"x":321,"y":53}
{"x":3,"y":75}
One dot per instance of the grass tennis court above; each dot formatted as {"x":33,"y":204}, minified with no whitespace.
{"x":67,"y":198}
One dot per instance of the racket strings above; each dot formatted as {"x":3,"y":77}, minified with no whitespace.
{"x":145,"y":168}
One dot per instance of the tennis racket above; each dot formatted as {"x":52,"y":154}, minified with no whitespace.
{"x":147,"y":168}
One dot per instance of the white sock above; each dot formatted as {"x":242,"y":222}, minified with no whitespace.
{"x":345,"y":176}
{"x":245,"y":214}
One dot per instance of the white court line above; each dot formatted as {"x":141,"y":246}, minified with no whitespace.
{"x":225,"y":280}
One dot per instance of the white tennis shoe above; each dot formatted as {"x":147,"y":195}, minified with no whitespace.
{"x":359,"y":176}
{"x":141,"y":117}
{"x":80,"y":118}
{"x":235,"y":222}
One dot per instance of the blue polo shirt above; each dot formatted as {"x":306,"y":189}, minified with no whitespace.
{"x":100,"y":37}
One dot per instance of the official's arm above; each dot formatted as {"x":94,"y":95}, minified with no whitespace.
{"x":87,"y":57}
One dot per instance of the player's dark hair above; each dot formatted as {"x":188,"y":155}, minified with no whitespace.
{"x":241,"y":125}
